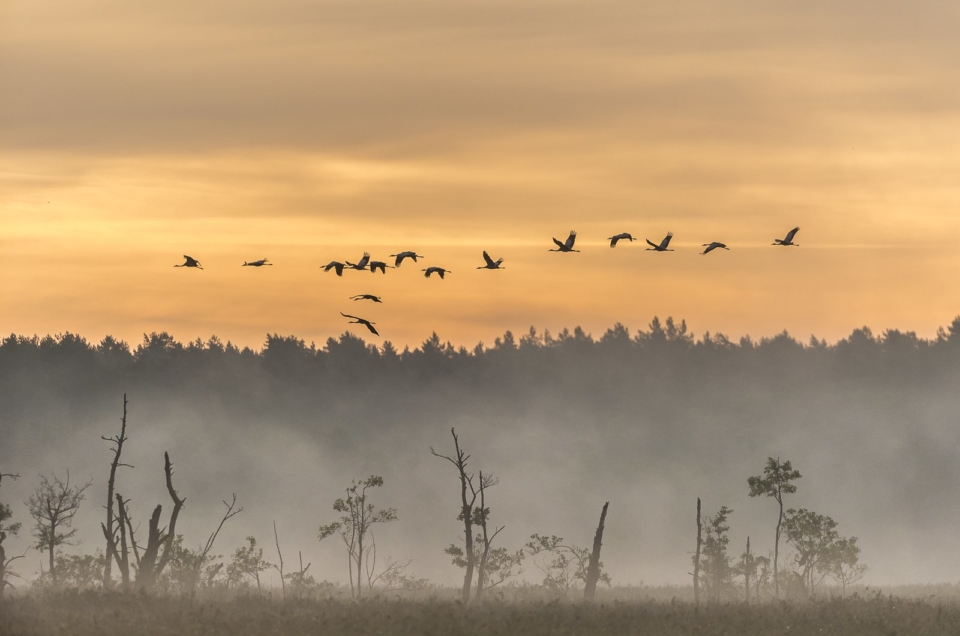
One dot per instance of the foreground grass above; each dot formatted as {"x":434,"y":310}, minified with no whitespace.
{"x":109,"y":614}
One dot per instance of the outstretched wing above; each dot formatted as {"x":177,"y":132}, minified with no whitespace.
{"x":791,"y":234}
{"x":666,"y":240}
{"x":570,"y":240}
{"x":489,"y":260}
{"x":441,"y":273}
{"x":371,"y":328}
{"x":363,"y":261}
{"x":651,"y":243}
{"x":399,"y":259}
{"x":349,"y":316}
{"x":558,"y":243}
{"x":710,"y":248}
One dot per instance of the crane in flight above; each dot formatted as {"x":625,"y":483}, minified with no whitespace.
{"x":439,"y":271}
{"x":190,"y":262}
{"x":361,"y":264}
{"x":623,"y":236}
{"x":663,"y":244}
{"x":403,"y":255}
{"x":259,"y":263}
{"x":361,"y":321}
{"x":712,"y":246}
{"x":375,"y":265}
{"x":375,"y":299}
{"x":491,"y":264}
{"x":566,"y":246}
{"x":788,"y":240}
{"x":336,"y":265}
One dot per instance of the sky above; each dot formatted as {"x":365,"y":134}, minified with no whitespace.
{"x":310,"y":131}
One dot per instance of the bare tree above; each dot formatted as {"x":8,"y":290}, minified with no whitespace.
{"x":459,"y":460}
{"x":696,"y":557}
{"x":13,"y":476}
{"x":593,"y":570}
{"x":354,"y":526}
{"x":53,"y":506}
{"x":109,"y":530}
{"x":283,"y":580}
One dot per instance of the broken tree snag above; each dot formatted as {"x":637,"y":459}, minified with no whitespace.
{"x":593,"y":570}
{"x":696,"y":558}
{"x":109,"y":530}
{"x":152,"y":562}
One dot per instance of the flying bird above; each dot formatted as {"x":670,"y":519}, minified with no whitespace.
{"x":375,"y":265}
{"x":375,"y":299}
{"x":403,"y":255}
{"x":361,"y":321}
{"x":663,"y":244}
{"x":712,"y":246}
{"x":334,"y":265}
{"x":259,"y":263}
{"x":623,"y":236}
{"x":190,"y":262}
{"x":491,"y":264}
{"x":436,"y":270}
{"x":361,"y":264}
{"x":566,"y":246}
{"x":789,"y":238}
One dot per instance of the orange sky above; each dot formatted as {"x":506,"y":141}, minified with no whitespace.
{"x":133,"y":133}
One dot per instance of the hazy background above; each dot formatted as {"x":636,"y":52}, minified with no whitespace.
{"x":648,"y":421}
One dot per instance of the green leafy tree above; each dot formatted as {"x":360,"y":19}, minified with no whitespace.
{"x":76,"y":572}
{"x":843,"y":563}
{"x":354,"y":527}
{"x":716,"y":571}
{"x":776,"y":481}
{"x":53,"y":506}
{"x":811,"y":535}
{"x":247,"y":562}
{"x":6,"y":529}
{"x":567,"y":569}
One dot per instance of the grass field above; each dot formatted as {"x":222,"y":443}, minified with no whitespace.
{"x":115,"y":614}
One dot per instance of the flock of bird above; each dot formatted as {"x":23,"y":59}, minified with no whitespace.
{"x":365,"y":264}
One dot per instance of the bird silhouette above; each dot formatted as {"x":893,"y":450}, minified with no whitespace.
{"x":333,"y":265}
{"x":566,"y":246}
{"x":789,"y":238}
{"x":361,"y":321}
{"x":491,"y":264}
{"x":375,"y":265}
{"x":259,"y":263}
{"x":663,"y":244}
{"x":190,"y":262}
{"x":623,"y":236}
{"x":403,"y":255}
{"x":712,"y":246}
{"x":436,"y":270}
{"x":361,"y":264}
{"x":375,"y":299}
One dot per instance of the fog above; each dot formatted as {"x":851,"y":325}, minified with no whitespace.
{"x":648,"y":420}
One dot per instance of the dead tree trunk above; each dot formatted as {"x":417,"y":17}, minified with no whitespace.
{"x":746,"y":574}
{"x":696,"y":558}
{"x":466,"y":511}
{"x":123,"y":554}
{"x":593,"y":570}
{"x":152,"y":562}
{"x":109,"y":531}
